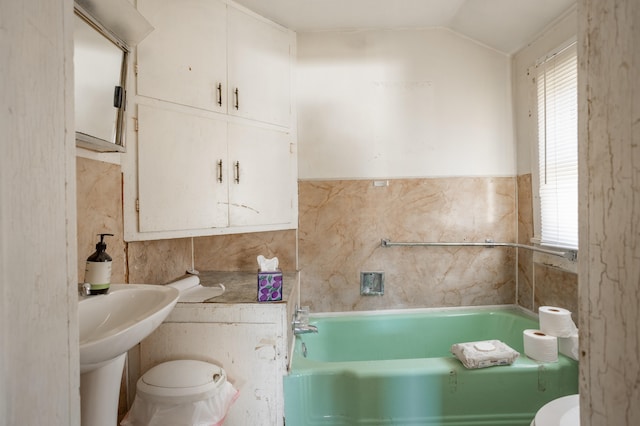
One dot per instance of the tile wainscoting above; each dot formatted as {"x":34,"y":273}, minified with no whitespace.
{"x":341,"y":225}
{"x":538,"y":284}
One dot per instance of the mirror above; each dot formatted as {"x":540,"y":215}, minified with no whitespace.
{"x":100,"y":64}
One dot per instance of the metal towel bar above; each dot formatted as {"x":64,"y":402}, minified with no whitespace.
{"x":572,"y":255}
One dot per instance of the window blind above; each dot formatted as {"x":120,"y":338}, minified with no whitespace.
{"x":557,"y":90}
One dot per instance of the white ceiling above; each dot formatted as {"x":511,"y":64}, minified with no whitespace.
{"x":505,"y":25}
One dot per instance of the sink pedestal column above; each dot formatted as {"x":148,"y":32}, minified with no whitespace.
{"x":100,"y":392}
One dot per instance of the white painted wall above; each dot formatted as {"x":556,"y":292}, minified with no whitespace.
{"x":402,"y":103}
{"x":565,"y":28}
{"x":39,"y":361}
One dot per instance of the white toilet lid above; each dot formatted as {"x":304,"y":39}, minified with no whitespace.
{"x":563,"y":411}
{"x":181,"y":378}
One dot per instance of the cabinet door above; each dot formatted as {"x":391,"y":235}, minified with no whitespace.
{"x":184,"y":59}
{"x":259,"y":69}
{"x":260,"y":176}
{"x":179,"y":171}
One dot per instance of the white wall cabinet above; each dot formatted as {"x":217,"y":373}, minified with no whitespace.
{"x":201,"y":173}
{"x":261,"y":175}
{"x":259,"y":64}
{"x":208,"y":55}
{"x":184,"y":59}
{"x":181,"y":161}
{"x":212,"y":145}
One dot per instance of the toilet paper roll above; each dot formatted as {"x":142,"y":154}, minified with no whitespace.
{"x":568,"y":346}
{"x":186,"y":283}
{"x":556,"y":321}
{"x":540,"y":346}
{"x":192,"y":292}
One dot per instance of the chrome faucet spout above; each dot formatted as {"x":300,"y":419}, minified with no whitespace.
{"x":304,"y":329}
{"x":300,"y":322}
{"x":84,"y":289}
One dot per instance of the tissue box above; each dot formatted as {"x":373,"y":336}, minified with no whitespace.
{"x":269,"y":286}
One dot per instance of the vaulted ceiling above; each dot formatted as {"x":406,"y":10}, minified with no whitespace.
{"x":505,"y":25}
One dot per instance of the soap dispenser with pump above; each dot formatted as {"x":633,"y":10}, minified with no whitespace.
{"x":98,"y":269}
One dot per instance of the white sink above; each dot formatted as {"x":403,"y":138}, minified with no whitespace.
{"x":111,"y":324}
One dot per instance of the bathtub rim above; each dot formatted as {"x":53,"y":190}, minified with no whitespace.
{"x":527,"y":312}
{"x":506,"y":307}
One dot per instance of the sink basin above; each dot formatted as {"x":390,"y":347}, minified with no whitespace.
{"x":111,"y":324}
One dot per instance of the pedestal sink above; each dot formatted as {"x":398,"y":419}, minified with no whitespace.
{"x":111,"y":324}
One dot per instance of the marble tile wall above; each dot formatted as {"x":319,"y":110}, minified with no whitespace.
{"x":525,"y":233}
{"x":555,"y":287}
{"x":538,"y":284}
{"x":343,"y":221}
{"x":341,"y":224}
{"x":158,"y":262}
{"x":99,"y":202}
{"x":162,"y":261}
{"x":239,"y":252}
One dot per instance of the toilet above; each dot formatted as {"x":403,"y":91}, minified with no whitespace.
{"x":563,"y":411}
{"x":181,"y":392}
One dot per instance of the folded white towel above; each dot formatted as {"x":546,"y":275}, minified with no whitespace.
{"x":485,"y":353}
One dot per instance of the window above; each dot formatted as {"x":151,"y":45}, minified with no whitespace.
{"x":557,"y":112}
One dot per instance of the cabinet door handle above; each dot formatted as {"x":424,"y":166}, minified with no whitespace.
{"x":236,"y":168}
{"x":237,"y":105}
{"x":220,"y":171}
{"x":219,"y":94}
